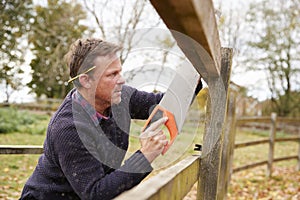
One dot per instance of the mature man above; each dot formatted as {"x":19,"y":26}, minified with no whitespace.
{"x":87,"y":138}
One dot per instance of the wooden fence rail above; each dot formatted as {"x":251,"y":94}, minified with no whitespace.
{"x":172,"y":183}
{"x":251,"y":143}
{"x":21,"y":149}
{"x":265,"y":141}
{"x":47,"y":105}
{"x":273,"y":121}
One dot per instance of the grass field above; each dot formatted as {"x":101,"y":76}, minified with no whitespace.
{"x":249,"y":184}
{"x":253,"y":183}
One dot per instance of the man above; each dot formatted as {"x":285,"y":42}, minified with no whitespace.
{"x":87,"y":138}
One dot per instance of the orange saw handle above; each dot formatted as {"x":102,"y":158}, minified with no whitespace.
{"x":157,"y":113}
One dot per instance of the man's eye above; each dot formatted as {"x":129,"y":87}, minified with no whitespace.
{"x":114,"y":74}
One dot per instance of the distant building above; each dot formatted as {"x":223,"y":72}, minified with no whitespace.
{"x":245,"y":105}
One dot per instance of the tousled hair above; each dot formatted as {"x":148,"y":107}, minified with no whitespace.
{"x":83,"y":52}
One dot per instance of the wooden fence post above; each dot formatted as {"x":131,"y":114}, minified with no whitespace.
{"x":271,"y":144}
{"x":299,"y":150}
{"x":212,"y":139}
{"x":228,"y":148}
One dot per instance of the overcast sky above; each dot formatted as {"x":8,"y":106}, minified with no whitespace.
{"x":239,"y":76}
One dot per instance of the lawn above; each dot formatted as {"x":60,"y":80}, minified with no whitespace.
{"x":248,"y":184}
{"x":19,"y":128}
{"x":253,"y":183}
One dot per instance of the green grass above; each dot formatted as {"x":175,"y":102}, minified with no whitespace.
{"x":22,"y":139}
{"x":16,"y":169}
{"x":251,"y":154}
{"x":19,"y":128}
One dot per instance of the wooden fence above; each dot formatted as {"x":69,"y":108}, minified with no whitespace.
{"x":46,"y":105}
{"x":273,"y":122}
{"x":176,"y":181}
{"x":21,"y":149}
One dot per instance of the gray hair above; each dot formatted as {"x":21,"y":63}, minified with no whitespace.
{"x":83,"y":53}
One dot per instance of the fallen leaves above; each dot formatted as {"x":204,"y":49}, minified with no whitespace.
{"x":253,"y":184}
{"x":6,"y":169}
{"x":15,"y":170}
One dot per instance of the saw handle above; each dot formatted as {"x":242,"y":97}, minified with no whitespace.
{"x":157,"y":113}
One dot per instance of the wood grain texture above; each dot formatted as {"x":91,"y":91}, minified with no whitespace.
{"x":196,"y":20}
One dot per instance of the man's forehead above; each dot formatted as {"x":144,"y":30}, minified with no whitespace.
{"x":106,"y":60}
{"x":111,"y":57}
{"x":103,"y":63}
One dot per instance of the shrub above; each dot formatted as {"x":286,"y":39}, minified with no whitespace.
{"x":13,"y":120}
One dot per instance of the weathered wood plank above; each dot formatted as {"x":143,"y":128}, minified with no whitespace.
{"x":265,"y":162}
{"x":173,"y":183}
{"x":244,"y":120}
{"x":288,"y":139}
{"x":285,"y":158}
{"x":298,"y":165}
{"x":271,"y":144}
{"x":213,"y":137}
{"x":286,"y":120}
{"x":21,"y":149}
{"x":195,"y":19}
{"x":251,"y":143}
{"x":228,"y":148}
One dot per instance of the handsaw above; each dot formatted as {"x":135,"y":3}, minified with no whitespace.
{"x":176,"y":101}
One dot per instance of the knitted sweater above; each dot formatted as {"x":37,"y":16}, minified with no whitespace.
{"x":83,"y":157}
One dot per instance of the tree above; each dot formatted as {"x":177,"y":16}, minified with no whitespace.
{"x":276,"y":50}
{"x":234,"y":32}
{"x":15,"y":18}
{"x":55,"y":27}
{"x":136,"y":26}
{"x":117,"y":20}
{"x":231,"y":26}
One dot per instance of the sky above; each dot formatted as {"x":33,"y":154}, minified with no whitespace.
{"x":254,"y":81}
{"x":239,"y":76}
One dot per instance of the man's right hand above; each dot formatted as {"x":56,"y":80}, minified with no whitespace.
{"x":153,"y":140}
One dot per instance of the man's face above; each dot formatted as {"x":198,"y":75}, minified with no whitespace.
{"x":107,"y":80}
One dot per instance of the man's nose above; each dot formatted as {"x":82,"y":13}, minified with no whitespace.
{"x":121,"y":80}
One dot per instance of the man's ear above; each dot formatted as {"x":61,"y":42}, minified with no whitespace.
{"x":84,"y":80}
